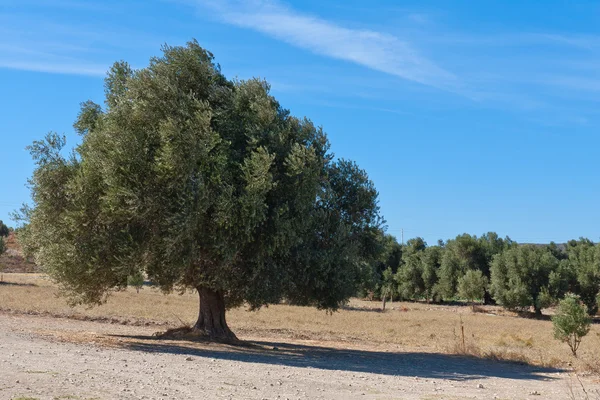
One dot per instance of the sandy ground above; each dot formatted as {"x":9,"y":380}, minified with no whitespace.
{"x":55,"y":358}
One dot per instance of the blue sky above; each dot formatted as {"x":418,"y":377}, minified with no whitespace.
{"x":469,"y":116}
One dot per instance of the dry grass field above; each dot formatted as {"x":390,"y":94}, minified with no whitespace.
{"x":489,"y":333}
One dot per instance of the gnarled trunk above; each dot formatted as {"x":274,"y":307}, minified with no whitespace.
{"x":211,"y":317}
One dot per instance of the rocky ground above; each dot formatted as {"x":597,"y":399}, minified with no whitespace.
{"x":57,"y":358}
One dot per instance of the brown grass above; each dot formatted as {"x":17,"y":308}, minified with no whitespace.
{"x":489,"y":332}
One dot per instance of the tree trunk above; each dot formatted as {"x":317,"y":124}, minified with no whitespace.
{"x":211,"y":317}
{"x":488,"y":299}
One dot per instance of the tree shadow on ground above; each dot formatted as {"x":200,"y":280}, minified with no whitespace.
{"x":422,"y":365}
{"x":4,"y":283}
{"x":362,"y":309}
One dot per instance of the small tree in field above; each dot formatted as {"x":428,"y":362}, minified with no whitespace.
{"x":571,"y":322}
{"x":472,"y":286}
{"x":136,"y":280}
{"x":388,"y":287}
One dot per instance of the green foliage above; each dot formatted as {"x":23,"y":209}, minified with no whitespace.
{"x":200,"y":182}
{"x":2,"y":250}
{"x":410,"y":276}
{"x":562,"y":280}
{"x":571,"y":322}
{"x":136,"y":280}
{"x":430,"y":265}
{"x":584,"y":262}
{"x":414,"y":246}
{"x":388,"y":284}
{"x":520,"y":275}
{"x":389,"y":255}
{"x":491,"y":245}
{"x":461,"y":254}
{"x":558,"y":252}
{"x":472,"y":285}
{"x":4,"y":230}
{"x":417,"y":275}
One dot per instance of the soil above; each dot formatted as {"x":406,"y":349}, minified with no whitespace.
{"x":53,"y":358}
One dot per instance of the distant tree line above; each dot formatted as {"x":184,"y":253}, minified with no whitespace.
{"x":488,"y":268}
{"x":4,"y":232}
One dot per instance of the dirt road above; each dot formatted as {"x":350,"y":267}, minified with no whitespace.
{"x":51,"y":358}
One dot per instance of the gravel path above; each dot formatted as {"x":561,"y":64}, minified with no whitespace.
{"x":52,"y":358}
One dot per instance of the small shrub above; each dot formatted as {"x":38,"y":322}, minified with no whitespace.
{"x":136,"y":280}
{"x":571,"y":322}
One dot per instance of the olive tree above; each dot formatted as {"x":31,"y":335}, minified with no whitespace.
{"x":584,"y":262}
{"x":472,"y":285}
{"x":388,"y":287}
{"x":389,"y":256}
{"x":410,"y":276}
{"x":411,"y":284}
{"x":200,"y":183}
{"x":571,"y":322}
{"x":430,"y":265}
{"x":136,"y":281}
{"x":461,"y":254}
{"x":520,"y":277}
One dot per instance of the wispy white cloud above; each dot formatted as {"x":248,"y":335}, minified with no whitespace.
{"x":575,"y":83}
{"x":64,"y":43}
{"x":49,"y":57}
{"x":55,"y":67}
{"x":375,"y":50}
{"x":514,"y":39}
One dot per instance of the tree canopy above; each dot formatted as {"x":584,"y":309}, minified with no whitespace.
{"x":202,"y":183}
{"x":460,"y":255}
{"x":472,"y":285}
{"x":520,"y":277}
{"x":584,"y":263}
{"x":571,"y":323}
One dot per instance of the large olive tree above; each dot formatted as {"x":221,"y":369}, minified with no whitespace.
{"x":202,"y":183}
